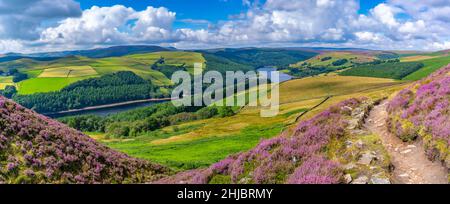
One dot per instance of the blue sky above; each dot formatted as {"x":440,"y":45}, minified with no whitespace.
{"x":54,"y":25}
{"x":210,"y":10}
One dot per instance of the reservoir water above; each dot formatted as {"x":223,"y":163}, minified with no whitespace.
{"x":283,"y":76}
{"x":104,"y":111}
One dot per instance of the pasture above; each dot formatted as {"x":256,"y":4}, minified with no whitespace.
{"x":431,"y":65}
{"x":416,"y":58}
{"x":45,"y":76}
{"x":5,"y":81}
{"x":68,"y":72}
{"x":42,"y":85}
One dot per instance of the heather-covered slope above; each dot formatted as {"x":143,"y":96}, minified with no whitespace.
{"x":423,"y":110}
{"x":36,"y":149}
{"x":318,"y":151}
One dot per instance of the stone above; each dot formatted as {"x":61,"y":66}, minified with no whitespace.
{"x":403,"y":175}
{"x":348,"y":178}
{"x":348,"y":144}
{"x":366,"y":158}
{"x":360,"y":144}
{"x":353,"y":124}
{"x":411,"y":146}
{"x":361,"y":180}
{"x":347,"y":108}
{"x":406,"y":151}
{"x":349,"y":166}
{"x":380,"y":180}
{"x":245,"y":180}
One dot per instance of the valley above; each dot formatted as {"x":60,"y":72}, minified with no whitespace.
{"x":121,"y":102}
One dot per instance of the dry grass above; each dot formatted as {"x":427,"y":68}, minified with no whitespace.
{"x":350,"y":56}
{"x":417,"y":58}
{"x":68,"y":72}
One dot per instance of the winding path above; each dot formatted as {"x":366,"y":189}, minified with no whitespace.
{"x":410,"y":162}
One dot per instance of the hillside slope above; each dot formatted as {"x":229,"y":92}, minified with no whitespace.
{"x":423,"y":111}
{"x":115,"y":51}
{"x":36,"y":149}
{"x":319,"y":151}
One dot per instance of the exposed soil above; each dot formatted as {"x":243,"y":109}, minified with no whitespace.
{"x":411,"y":164}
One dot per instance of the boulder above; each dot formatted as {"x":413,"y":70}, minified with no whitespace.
{"x":348,"y":178}
{"x":379,"y":179}
{"x":361,"y":180}
{"x":366,"y":158}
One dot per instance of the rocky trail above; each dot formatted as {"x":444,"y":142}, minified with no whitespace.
{"x":409,"y":159}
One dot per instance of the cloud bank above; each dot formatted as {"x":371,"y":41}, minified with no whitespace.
{"x":46,"y":25}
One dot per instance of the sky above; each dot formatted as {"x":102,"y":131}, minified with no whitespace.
{"x":28,"y":26}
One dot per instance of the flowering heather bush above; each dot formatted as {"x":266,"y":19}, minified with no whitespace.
{"x":316,"y":170}
{"x":36,"y":149}
{"x":296,"y":158}
{"x":424,"y":110}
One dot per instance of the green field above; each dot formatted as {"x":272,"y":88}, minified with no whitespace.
{"x":77,"y":68}
{"x":33,"y":73}
{"x":431,"y":65}
{"x":41,"y":85}
{"x":5,"y":81}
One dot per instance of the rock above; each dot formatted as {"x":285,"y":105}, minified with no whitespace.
{"x":353,"y":124}
{"x":245,"y":181}
{"x":361,"y":180}
{"x":348,"y":178}
{"x":403,"y":175}
{"x":380,"y":180}
{"x":347,"y":108}
{"x":358,"y":132}
{"x":348,"y":144}
{"x":366,"y":158}
{"x":406,"y":151}
{"x":411,"y":146}
{"x":360,"y":144}
{"x":349,"y":166}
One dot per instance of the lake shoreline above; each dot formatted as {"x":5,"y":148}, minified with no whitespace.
{"x":107,"y":106}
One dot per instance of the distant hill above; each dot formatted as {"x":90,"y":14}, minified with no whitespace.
{"x":116,"y":51}
{"x":7,"y":58}
{"x":259,"y":57}
{"x":36,"y":149}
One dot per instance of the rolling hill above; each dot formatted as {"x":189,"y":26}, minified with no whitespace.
{"x":36,"y":149}
{"x":115,"y":51}
{"x":47,"y":76}
{"x":327,"y":59}
{"x":200,"y":143}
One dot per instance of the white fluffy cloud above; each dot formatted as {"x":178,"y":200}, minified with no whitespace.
{"x":395,"y":24}
{"x":285,"y":21}
{"x":113,"y":25}
{"x":22,"y":19}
